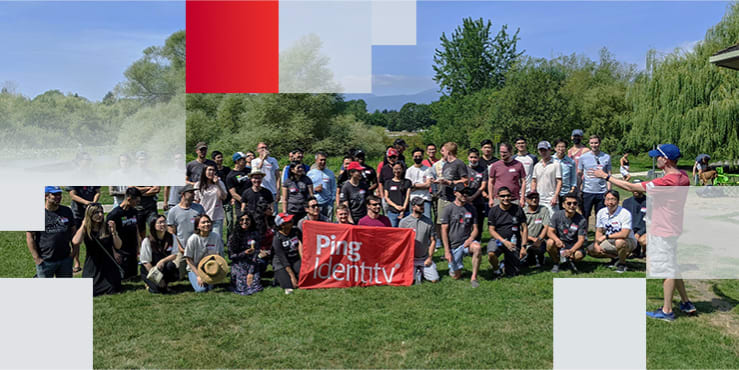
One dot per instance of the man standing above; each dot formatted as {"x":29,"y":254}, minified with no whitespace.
{"x":486,"y":150}
{"x":614,"y":237}
{"x":312,"y":213}
{"x":567,"y":233}
{"x":568,"y":168}
{"x":527,"y":159}
{"x":420,"y":179}
{"x":509,"y":173}
{"x":478,"y":174}
{"x":195,"y":167}
{"x":593,"y":188}
{"x":181,"y":223}
{"x":458,"y":233}
{"x":354,"y":192}
{"x":666,"y":226}
{"x":271,"y":169}
{"x":256,"y":193}
{"x":52,"y":249}
{"x":578,"y":148}
{"x":537,"y":223}
{"x":324,"y":185}
{"x":453,"y":172}
{"x":430,"y":155}
{"x":385,"y":172}
{"x":236,"y":182}
{"x":373,"y":217}
{"x":637,"y":206}
{"x":507,"y":225}
{"x":81,"y":197}
{"x":423,"y":264}
{"x":547,"y":177}
{"x":222,"y":172}
{"x":127,"y":223}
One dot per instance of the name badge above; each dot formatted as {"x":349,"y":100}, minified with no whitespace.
{"x":511,"y":170}
{"x":210,"y":247}
{"x":643,"y":209}
{"x":293,"y":190}
{"x":514,"y":228}
{"x":479,"y":175}
{"x":574,"y":227}
{"x":325,"y":179}
{"x":393,"y":188}
{"x":64,"y":220}
{"x":537,"y":221}
{"x":362,"y":191}
{"x":468,"y":215}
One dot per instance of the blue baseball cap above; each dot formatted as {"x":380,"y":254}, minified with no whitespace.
{"x":237,"y":156}
{"x":52,"y":189}
{"x":577,"y":132}
{"x":669,"y":151}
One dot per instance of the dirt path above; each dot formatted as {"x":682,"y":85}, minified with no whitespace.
{"x":722,"y":318}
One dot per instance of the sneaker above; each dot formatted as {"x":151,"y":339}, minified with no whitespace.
{"x":687,"y":307}
{"x":661,"y":315}
{"x":572,"y":267}
{"x":474,"y":283}
{"x":288,"y":291}
{"x":613,"y":264}
{"x":621,"y":269}
{"x":555,"y":269}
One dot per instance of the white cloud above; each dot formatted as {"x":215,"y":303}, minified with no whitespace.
{"x":389,"y":84}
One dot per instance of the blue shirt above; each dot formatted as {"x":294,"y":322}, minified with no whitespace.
{"x":569,"y":173}
{"x":589,"y":161}
{"x":327,"y":180}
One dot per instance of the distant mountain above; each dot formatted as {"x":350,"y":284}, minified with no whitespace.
{"x":394,"y":102}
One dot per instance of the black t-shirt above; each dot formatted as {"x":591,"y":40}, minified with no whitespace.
{"x":477,"y":175}
{"x":485,"y":163}
{"x":507,"y":222}
{"x":223,"y":174}
{"x":126,"y":225}
{"x":396,"y":190}
{"x":452,"y":171}
{"x":386,"y":173}
{"x":285,"y":249}
{"x":297,"y":193}
{"x":357,"y":198}
{"x":238,"y":180}
{"x":195,"y":168}
{"x":369,"y":175}
{"x":252,"y":198}
{"x":54,"y":242}
{"x":86,"y":193}
{"x":638,"y":209}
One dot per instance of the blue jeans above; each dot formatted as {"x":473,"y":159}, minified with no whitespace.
{"x":218,"y":227}
{"x":193,"y":277}
{"x":393,"y":216}
{"x":60,"y":269}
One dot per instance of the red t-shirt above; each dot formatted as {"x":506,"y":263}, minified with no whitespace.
{"x":510,"y":175}
{"x":381,"y":221}
{"x":428,"y":162}
{"x":668,"y":203}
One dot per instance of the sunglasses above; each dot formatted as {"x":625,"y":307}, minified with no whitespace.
{"x":313,"y":206}
{"x":504,"y":195}
{"x":374,"y":204}
{"x":570,"y":203}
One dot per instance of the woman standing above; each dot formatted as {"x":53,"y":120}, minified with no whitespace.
{"x":100,"y":241}
{"x":288,"y":250}
{"x":295,"y":190}
{"x":200,"y":244}
{"x":242,"y":250}
{"x":210,"y":193}
{"x":624,"y":167}
{"x":397,"y":194}
{"x":156,"y":253}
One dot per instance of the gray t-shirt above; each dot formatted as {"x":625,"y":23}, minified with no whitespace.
{"x":321,"y":218}
{"x":184,"y":220}
{"x":590,"y":161}
{"x":535,"y":221}
{"x":568,"y":229}
{"x":424,"y":231}
{"x":198,"y":247}
{"x":460,"y":221}
{"x":297,"y":193}
{"x":452,"y":171}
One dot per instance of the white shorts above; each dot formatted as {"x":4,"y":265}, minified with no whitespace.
{"x":662,"y":257}
{"x":624,"y":171}
{"x":429,"y":272}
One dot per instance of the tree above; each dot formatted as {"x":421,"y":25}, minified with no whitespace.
{"x":471,"y":60}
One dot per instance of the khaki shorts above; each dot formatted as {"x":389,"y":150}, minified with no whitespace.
{"x":440,"y":207}
{"x":610,"y":247}
{"x":662,"y":257}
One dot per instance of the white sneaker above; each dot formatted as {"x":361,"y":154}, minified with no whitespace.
{"x":288,"y":291}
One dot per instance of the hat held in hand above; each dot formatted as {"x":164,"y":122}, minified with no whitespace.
{"x":212,"y":269}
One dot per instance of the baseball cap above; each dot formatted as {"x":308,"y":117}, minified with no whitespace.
{"x":462,"y":188}
{"x":359,"y":153}
{"x":282,"y":218}
{"x":417,"y":201}
{"x":52,"y":189}
{"x":532,"y":194}
{"x":400,"y":142}
{"x":237,"y":156}
{"x":354,"y":165}
{"x":577,"y":132}
{"x":200,"y":145}
{"x":141,"y":154}
{"x":392,"y":152}
{"x":669,"y":151}
{"x":187,"y":188}
{"x":544,"y":145}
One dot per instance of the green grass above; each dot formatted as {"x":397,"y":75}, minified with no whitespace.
{"x":706,"y":341}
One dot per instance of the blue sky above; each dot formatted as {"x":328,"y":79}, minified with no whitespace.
{"x":79,"y":47}
{"x":628,"y":29}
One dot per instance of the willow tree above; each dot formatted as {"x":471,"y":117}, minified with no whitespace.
{"x":683,"y":99}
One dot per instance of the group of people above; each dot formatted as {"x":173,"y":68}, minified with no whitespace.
{"x":535,"y":206}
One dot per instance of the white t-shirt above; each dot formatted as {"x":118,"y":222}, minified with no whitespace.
{"x":621,"y":219}
{"x":145,"y":254}
{"x":528,"y":162}
{"x":210,"y":201}
{"x":419,"y":175}
{"x":546,"y":179}
{"x":198,"y":247}
{"x":269,"y":168}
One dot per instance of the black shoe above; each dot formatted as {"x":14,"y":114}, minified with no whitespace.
{"x":572,"y":267}
{"x":613,"y":264}
{"x":555,"y":268}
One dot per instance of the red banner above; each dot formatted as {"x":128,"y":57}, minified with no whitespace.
{"x":342,"y":256}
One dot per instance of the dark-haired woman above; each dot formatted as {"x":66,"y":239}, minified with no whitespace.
{"x":210,"y":192}
{"x":200,"y":244}
{"x":156,"y":252}
{"x":243,"y":246}
{"x":287,"y":248}
{"x":100,"y":241}
{"x":295,"y":190}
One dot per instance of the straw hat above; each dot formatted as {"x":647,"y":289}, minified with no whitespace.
{"x":212,"y":269}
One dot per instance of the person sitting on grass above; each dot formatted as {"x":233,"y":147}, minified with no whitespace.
{"x":637,"y":206}
{"x":100,"y":240}
{"x":242,"y":250}
{"x":458,"y":233}
{"x":613,"y":235}
{"x":537,"y":223}
{"x":202,"y":243}
{"x":288,"y":250}
{"x":158,"y":252}
{"x":567,"y":233}
{"x":507,"y":225}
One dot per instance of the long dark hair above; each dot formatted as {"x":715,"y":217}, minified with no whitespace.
{"x":158,"y":244}
{"x":262,"y":221}
{"x":203,"y":182}
{"x":240,"y":234}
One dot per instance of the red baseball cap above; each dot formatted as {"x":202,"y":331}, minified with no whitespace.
{"x":354,"y":166}
{"x":392,"y":152}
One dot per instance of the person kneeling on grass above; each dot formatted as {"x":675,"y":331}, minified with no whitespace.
{"x":458,"y":233}
{"x":288,"y":250}
{"x":567,"y":233}
{"x":537,"y":221}
{"x":157,"y":254}
{"x":507,"y":225}
{"x":423,"y":264}
{"x":613,"y":235}
{"x":243,"y":246}
{"x":200,"y":245}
